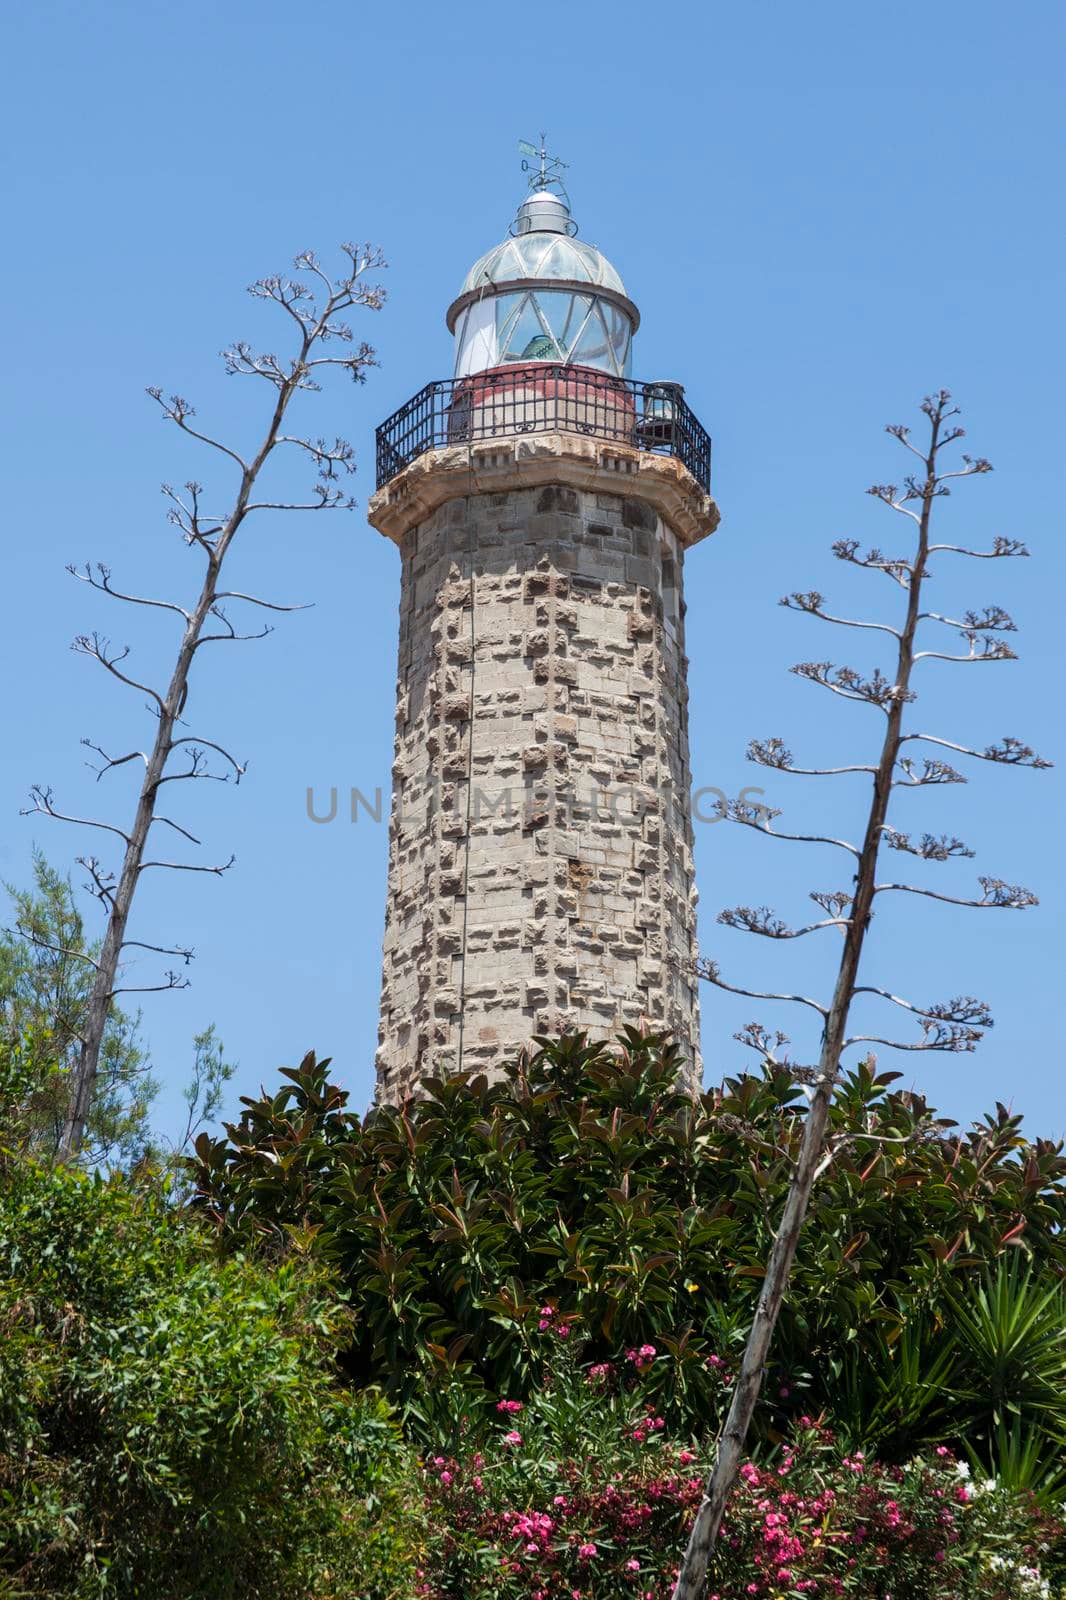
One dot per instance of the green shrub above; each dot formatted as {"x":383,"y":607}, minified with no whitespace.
{"x":170,"y":1422}
{"x":585,"y":1177}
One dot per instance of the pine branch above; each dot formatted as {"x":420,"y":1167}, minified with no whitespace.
{"x":1001,"y":549}
{"x":707,"y":969}
{"x":845,"y":681}
{"x":995,"y":894}
{"x":929,"y":847}
{"x":811,"y":604}
{"x":932,"y":772}
{"x":102,"y":582}
{"x":774,"y":753}
{"x":760,"y":818}
{"x":1009,"y":752}
{"x":761,"y":920}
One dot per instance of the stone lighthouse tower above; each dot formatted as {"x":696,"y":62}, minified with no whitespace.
{"x":542,"y":501}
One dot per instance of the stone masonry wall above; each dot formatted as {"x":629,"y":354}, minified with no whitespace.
{"x":540,"y":858}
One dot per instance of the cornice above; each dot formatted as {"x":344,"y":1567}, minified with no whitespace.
{"x":493,"y":466}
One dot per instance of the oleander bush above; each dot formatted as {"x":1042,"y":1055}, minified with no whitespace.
{"x":926,"y":1305}
{"x":822,"y":1523}
{"x":583,"y":1490}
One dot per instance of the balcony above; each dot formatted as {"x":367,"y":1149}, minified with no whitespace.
{"x":544,"y":398}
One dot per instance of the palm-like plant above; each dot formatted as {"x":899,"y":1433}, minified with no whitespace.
{"x":1009,"y":1338}
{"x":892,"y":1390}
{"x":981,"y":1363}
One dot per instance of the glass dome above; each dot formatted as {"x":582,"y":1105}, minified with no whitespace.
{"x":543,"y":295}
{"x":543,"y":255}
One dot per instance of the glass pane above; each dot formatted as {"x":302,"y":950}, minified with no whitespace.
{"x":508,"y":307}
{"x":528,"y":339}
{"x":568,"y":319}
{"x":578,"y":328}
{"x":585,"y":262}
{"x":529,"y":251}
{"x":621,"y":334}
{"x":593,"y":348}
{"x":562,"y":262}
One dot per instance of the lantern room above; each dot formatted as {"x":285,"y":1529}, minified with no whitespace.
{"x":543,"y":295}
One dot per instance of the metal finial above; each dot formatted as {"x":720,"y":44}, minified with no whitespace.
{"x":544,"y":170}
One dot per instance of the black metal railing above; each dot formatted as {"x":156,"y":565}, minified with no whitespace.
{"x":539,"y":398}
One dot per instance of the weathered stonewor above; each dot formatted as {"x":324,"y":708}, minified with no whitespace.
{"x":540,"y":854}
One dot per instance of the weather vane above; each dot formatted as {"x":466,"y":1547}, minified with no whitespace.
{"x":542,"y":168}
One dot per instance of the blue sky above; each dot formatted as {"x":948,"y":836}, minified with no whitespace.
{"x":823,"y":212}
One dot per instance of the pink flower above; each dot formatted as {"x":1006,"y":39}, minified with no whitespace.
{"x":586,"y":1551}
{"x":685,"y":1457}
{"x":513,"y":1407}
{"x":512,"y":1438}
{"x":632,"y":1566}
{"x":445,"y":1478}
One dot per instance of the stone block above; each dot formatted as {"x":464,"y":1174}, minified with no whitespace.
{"x":555,"y":497}
{"x":638,"y":514}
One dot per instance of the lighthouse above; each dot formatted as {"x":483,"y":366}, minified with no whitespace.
{"x":542,"y":500}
